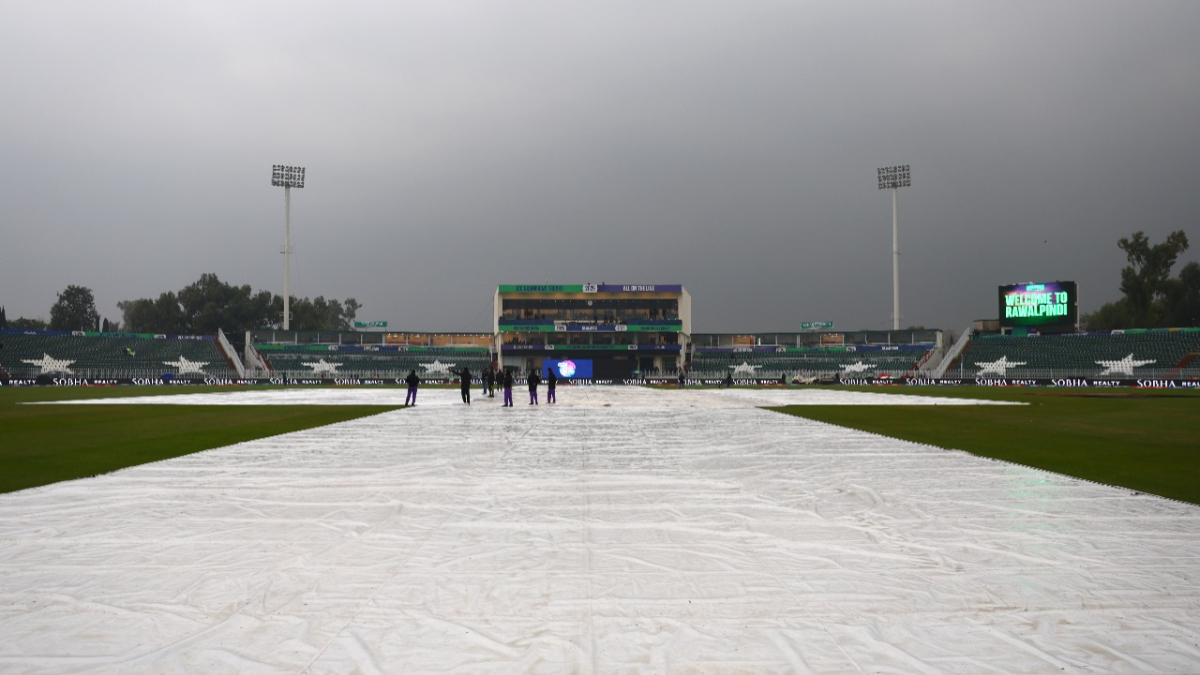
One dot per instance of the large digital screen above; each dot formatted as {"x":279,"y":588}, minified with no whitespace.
{"x":568,"y":369}
{"x":1047,"y":304}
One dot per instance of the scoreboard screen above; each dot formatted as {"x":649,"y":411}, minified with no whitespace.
{"x":1052,"y":304}
{"x":568,"y":369}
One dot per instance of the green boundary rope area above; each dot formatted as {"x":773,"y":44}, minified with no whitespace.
{"x":1145,"y":440}
{"x":43,"y":444}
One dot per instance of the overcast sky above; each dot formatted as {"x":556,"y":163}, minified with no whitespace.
{"x":727,"y":146}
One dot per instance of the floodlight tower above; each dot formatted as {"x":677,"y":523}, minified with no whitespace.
{"x":287,"y":177}
{"x":894,"y":178}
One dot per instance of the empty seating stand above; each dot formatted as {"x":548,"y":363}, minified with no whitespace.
{"x":383,"y":362}
{"x":776,"y":362}
{"x":86,"y":355}
{"x":1130,"y":354}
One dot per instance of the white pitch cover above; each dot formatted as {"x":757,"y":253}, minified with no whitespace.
{"x":623,"y":530}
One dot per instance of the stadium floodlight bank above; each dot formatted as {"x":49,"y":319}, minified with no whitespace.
{"x":287,"y":177}
{"x":893,"y":178}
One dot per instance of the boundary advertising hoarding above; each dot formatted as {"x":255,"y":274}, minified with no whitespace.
{"x":1073,"y":382}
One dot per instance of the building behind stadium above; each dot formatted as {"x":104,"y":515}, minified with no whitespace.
{"x":618,"y":331}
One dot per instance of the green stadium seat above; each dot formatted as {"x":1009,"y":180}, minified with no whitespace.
{"x":112,"y":356}
{"x":1141,"y":354}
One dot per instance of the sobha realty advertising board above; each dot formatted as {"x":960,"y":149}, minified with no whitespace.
{"x":1050,"y":304}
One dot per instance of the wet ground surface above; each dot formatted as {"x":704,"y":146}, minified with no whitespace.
{"x":620,"y":531}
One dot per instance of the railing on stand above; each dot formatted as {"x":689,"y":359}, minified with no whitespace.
{"x":230,"y":353}
{"x":954,"y":353}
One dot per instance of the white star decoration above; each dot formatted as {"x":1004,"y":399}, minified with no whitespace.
{"x":49,"y":364}
{"x":322,"y":367}
{"x":1000,"y":366}
{"x":185,"y":366}
{"x":745,"y":369}
{"x":437,"y":367}
{"x":857,"y":367}
{"x":1124,"y":366}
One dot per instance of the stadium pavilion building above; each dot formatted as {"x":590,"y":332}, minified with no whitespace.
{"x":619,"y":331}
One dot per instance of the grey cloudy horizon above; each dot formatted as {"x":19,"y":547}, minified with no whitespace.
{"x":729,"y":147}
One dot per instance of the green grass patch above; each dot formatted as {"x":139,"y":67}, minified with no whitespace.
{"x":42,"y":444}
{"x":1146,"y":440}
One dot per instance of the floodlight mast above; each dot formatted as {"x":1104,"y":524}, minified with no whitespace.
{"x":287,"y":177}
{"x":893,"y":178}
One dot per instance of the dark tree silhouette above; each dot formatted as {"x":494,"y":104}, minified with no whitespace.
{"x":1152,"y":298}
{"x":74,"y":310}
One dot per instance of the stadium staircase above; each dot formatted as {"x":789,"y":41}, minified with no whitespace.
{"x":256,"y":364}
{"x":1186,"y":364}
{"x":951,"y":358}
{"x":230,"y":354}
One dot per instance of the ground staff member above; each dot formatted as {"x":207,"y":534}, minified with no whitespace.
{"x":412,"y":381}
{"x":465,"y":378}
{"x":534,"y":380}
{"x":508,"y":383}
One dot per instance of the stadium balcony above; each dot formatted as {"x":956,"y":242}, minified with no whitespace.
{"x":86,"y":355}
{"x":1129,"y":354}
{"x":304,"y":361}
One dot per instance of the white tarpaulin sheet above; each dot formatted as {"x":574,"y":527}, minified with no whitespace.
{"x":622,"y":531}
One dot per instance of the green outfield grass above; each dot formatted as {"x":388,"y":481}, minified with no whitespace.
{"x":1146,"y":440}
{"x":42,"y":444}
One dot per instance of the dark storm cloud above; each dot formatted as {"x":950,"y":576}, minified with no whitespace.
{"x":729,"y":147}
